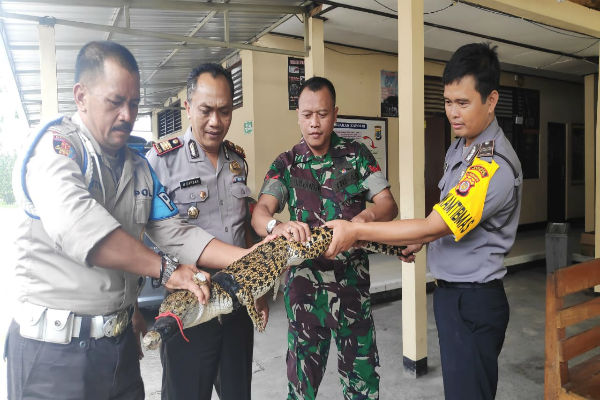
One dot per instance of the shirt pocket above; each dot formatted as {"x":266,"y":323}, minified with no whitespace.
{"x":237,"y":201}
{"x":190,"y":197}
{"x":141,"y":213}
{"x":240,"y":190}
{"x":351,"y":195}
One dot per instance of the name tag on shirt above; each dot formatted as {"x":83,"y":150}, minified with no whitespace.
{"x":189,"y":182}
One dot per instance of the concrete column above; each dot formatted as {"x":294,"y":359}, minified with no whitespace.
{"x":590,"y":171}
{"x":314,"y":64}
{"x":411,"y":127}
{"x":49,"y":85}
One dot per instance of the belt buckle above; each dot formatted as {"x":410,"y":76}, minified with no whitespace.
{"x":116,"y":324}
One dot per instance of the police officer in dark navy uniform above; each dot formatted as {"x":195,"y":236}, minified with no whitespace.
{"x":469,"y":231}
{"x":205,"y":176}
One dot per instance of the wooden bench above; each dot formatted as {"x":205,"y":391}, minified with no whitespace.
{"x":581,"y":380}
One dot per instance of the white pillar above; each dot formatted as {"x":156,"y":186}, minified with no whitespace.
{"x":48,"y":80}
{"x":314,"y":64}
{"x":411,"y":127}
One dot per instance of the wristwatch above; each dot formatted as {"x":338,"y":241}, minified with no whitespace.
{"x":169,"y":264}
{"x":271,"y":225}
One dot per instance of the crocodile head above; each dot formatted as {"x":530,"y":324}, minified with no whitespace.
{"x":164,"y":328}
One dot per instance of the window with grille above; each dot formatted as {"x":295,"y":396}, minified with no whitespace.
{"x":169,"y":120}
{"x":236,"y":75}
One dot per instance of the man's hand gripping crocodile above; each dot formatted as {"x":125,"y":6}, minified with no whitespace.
{"x":242,"y":282}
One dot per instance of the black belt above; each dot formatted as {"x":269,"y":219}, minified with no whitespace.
{"x":496,"y":283}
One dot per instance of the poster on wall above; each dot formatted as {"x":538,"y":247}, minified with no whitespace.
{"x":368,"y":130}
{"x":389,"y":93}
{"x":295,"y":80}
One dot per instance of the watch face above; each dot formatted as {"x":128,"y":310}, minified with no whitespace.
{"x":270,"y":225}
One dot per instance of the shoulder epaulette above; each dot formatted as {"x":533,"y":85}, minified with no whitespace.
{"x":166,"y":146}
{"x":486,"y":149}
{"x":64,"y":127}
{"x":235,"y":148}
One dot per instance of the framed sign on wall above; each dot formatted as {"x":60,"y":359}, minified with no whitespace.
{"x":371,"y":131}
{"x":295,"y":80}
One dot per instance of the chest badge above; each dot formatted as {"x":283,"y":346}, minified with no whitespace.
{"x":235,"y":167}
{"x":203,"y":194}
{"x":192,"y":212}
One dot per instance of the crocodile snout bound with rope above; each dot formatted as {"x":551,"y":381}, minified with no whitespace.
{"x":245,"y":280}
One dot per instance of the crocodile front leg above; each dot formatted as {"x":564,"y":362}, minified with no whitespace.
{"x":245,"y":295}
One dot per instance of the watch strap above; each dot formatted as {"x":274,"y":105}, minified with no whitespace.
{"x":169,"y":265}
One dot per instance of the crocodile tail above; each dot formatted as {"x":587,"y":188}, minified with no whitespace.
{"x":374,"y":247}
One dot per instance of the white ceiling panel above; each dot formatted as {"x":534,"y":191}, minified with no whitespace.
{"x":523,"y":46}
{"x":161,"y":61}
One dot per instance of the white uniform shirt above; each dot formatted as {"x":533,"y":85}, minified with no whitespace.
{"x":74,"y":216}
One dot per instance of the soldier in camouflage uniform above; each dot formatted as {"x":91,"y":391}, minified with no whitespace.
{"x":325,"y":177}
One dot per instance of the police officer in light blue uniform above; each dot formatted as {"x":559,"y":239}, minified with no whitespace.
{"x":215,"y":200}
{"x":205,"y":176}
{"x":470,"y":230}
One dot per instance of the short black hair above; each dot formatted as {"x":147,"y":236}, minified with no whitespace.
{"x":317,"y":83}
{"x":91,"y":57}
{"x":214,"y":69}
{"x":479,"y":60}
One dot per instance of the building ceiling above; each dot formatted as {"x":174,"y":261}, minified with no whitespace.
{"x":170,"y":37}
{"x":523,"y":46}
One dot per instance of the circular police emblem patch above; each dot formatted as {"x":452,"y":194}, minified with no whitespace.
{"x":463,"y":188}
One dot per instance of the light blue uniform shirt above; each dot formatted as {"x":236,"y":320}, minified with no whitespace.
{"x":218,"y":195}
{"x":479,"y":255}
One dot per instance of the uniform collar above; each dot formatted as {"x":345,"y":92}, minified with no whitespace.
{"x":335,"y":150}
{"x":128,"y":158}
{"x":490,"y":133}
{"x":189,"y":142}
{"x":79,"y":122}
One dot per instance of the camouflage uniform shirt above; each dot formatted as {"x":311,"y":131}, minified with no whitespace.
{"x":327,"y":294}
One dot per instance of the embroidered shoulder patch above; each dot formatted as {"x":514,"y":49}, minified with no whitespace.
{"x":235,"y":148}
{"x":166,"y":146}
{"x":63,"y":147}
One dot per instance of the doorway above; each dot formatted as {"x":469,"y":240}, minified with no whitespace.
{"x":437,"y":140}
{"x":557,"y":135}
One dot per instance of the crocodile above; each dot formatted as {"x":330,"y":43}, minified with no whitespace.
{"x":243,"y":281}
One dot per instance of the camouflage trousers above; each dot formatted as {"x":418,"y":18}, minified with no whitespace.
{"x":319,"y":306}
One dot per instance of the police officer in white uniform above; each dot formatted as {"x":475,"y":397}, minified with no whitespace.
{"x":470,"y":230}
{"x":205,"y":176}
{"x":88,"y":199}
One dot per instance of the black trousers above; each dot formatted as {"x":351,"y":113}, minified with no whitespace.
{"x":90,"y":369}
{"x":471,"y":325}
{"x":217,"y":354}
